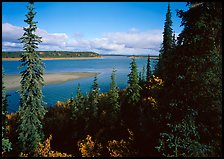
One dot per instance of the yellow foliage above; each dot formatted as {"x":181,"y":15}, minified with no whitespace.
{"x":118,"y":148}
{"x":153,"y":102}
{"x":121,"y":148}
{"x":158,"y":80}
{"x":154,"y":82}
{"x":103,"y":95}
{"x":11,"y":124}
{"x":131,"y":135}
{"x":23,"y":155}
{"x":11,"y":116}
{"x":66,"y":105}
{"x":44,"y":150}
{"x":89,"y":148}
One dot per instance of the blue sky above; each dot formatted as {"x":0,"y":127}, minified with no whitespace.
{"x":104,"y":27}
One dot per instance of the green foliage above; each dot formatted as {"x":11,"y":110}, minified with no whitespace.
{"x":200,"y":47}
{"x":148,"y":69}
{"x":182,"y":140}
{"x":143,"y":74}
{"x":6,"y":144}
{"x":113,"y":96}
{"x":94,"y":98}
{"x":4,"y":103}
{"x":174,"y":41}
{"x":166,"y":48}
{"x":133,"y":90}
{"x":79,"y":104}
{"x":167,"y":34}
{"x":31,"y":110}
{"x":193,"y":73}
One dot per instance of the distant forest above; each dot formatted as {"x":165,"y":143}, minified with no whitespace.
{"x":54,"y":54}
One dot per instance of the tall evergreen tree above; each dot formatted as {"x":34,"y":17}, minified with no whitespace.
{"x":200,"y":67}
{"x":148,"y":69}
{"x":174,"y":41}
{"x":31,"y":109}
{"x":4,"y":102}
{"x":143,"y":74}
{"x":6,"y":144}
{"x":167,"y":34}
{"x":94,"y":97}
{"x":79,"y":103}
{"x":196,"y":79}
{"x":114,"y":97}
{"x":133,"y":90}
{"x":166,"y":45}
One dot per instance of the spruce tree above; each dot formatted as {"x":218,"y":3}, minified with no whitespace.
{"x":133,"y":90}
{"x":199,"y":68}
{"x":148,"y":69}
{"x":78,"y":106}
{"x":167,"y":34}
{"x":196,"y":79}
{"x":114,"y":97}
{"x":4,"y":102}
{"x":94,"y":98}
{"x":6,"y":144}
{"x":140,"y":77}
{"x":143,"y":74}
{"x":166,"y":45}
{"x":31,"y":109}
{"x":174,"y":41}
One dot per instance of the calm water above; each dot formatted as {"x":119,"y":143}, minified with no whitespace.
{"x":62,"y":92}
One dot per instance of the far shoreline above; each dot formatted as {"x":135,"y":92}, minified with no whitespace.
{"x":55,"y":58}
{"x":12,"y":82}
{"x":151,"y":57}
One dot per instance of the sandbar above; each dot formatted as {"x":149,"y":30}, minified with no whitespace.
{"x":12,"y":82}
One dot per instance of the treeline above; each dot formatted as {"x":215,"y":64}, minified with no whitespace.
{"x":52,"y":54}
{"x":174,"y":111}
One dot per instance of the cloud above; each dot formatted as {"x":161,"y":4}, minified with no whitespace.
{"x":131,"y":42}
{"x":11,"y":33}
{"x":105,"y":44}
{"x":135,"y":41}
{"x":58,"y":39}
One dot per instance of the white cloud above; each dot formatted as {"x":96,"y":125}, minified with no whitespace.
{"x":105,"y":44}
{"x":11,"y":33}
{"x":137,"y":39}
{"x":52,"y":39}
{"x":131,"y":42}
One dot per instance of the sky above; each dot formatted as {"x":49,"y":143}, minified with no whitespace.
{"x":132,"y":28}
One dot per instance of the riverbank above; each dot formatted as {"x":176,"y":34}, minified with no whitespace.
{"x":12,"y":82}
{"x":59,"y":58}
